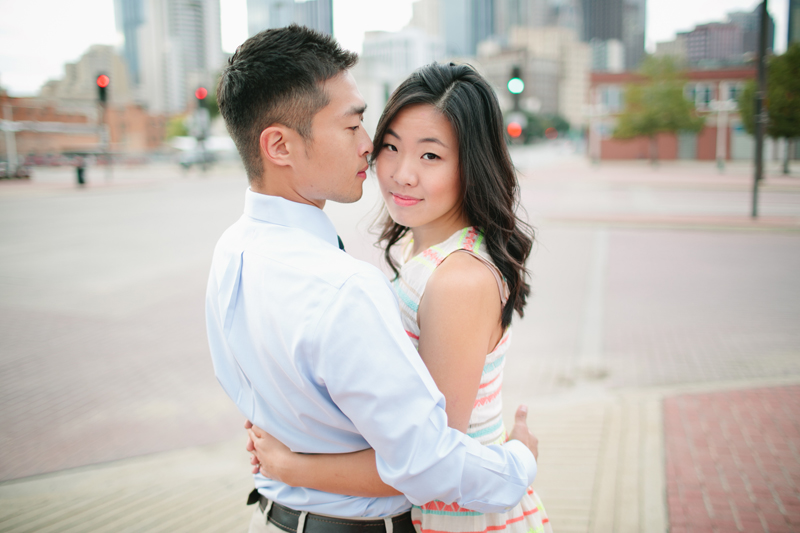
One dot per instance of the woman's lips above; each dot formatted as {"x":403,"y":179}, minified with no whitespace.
{"x":405,"y":201}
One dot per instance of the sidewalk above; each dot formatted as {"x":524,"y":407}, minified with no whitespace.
{"x":717,"y":457}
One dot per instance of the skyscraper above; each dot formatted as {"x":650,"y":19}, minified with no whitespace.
{"x":748,"y":22}
{"x":266,"y":14}
{"x":129,"y":16}
{"x":537,"y":14}
{"x":171,"y":47}
{"x":622,"y":20}
{"x":464,"y":24}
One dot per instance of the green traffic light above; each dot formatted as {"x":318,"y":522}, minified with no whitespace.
{"x":516,"y":85}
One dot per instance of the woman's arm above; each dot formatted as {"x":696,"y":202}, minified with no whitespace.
{"x":459,"y":323}
{"x":459,"y":319}
{"x":354,"y":474}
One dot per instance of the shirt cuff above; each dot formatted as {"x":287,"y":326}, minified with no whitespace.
{"x":525,"y":455}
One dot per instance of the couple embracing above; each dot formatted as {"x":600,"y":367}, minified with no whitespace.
{"x":368,"y":395}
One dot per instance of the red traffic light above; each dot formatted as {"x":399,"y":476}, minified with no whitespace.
{"x":201,"y":93}
{"x":103,"y":81}
{"x":551,"y":133}
{"x":514,"y":129}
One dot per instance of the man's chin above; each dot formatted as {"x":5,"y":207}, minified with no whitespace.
{"x":351,"y":198}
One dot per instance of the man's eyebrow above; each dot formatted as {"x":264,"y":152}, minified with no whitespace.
{"x":356,"y":110}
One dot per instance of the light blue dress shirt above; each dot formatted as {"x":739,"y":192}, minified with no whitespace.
{"x":308,"y":343}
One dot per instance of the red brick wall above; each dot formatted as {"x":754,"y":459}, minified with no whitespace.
{"x":707,"y":144}
{"x":639,"y":148}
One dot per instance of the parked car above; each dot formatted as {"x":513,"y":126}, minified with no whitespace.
{"x":21,"y":172}
{"x":204,"y":158}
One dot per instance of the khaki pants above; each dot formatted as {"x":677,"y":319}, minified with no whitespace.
{"x":259,"y":524}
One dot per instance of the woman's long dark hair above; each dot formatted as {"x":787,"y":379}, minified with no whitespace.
{"x":489,"y":187}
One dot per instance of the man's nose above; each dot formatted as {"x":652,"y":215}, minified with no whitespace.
{"x":367,"y":147}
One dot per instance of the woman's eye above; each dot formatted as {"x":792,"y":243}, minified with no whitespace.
{"x":429,"y":156}
{"x":390,"y":147}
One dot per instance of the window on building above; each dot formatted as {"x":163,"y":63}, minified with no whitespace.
{"x":735,"y":90}
{"x":611,"y":96}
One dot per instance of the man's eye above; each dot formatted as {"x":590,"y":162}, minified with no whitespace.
{"x":429,"y":156}
{"x":354,"y":128}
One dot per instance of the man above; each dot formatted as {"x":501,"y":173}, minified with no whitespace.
{"x":305,"y":339}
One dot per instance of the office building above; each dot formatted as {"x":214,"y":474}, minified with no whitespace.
{"x":554,"y":65}
{"x":171,"y":47}
{"x":536,"y":14}
{"x":387,"y":59}
{"x":266,"y":14}
{"x":675,"y":48}
{"x":78,"y":87}
{"x":714,"y":42}
{"x":748,"y":22}
{"x":607,"y":56}
{"x":621,"y":20}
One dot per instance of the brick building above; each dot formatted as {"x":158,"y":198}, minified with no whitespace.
{"x":132,"y":130}
{"x":704,"y":87}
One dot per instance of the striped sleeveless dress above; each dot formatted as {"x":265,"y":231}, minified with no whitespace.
{"x":486,"y":421}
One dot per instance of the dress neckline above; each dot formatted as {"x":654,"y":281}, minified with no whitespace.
{"x":407,"y":248}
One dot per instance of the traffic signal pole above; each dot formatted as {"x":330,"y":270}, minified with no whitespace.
{"x":103,"y":81}
{"x":760,"y":110}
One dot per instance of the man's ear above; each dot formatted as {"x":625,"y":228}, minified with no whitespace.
{"x":275,"y":143}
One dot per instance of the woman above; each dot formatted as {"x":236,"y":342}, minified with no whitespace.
{"x":450,"y":191}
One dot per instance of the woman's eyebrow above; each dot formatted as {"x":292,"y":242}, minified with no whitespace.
{"x":390,"y":131}
{"x":432,"y":140}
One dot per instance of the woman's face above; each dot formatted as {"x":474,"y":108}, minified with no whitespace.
{"x":417,"y":167}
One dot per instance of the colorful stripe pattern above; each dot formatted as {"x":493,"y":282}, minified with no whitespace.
{"x":486,"y":421}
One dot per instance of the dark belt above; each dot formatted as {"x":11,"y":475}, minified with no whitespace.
{"x":287,"y":519}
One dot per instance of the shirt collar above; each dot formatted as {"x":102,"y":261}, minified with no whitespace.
{"x":283,"y":212}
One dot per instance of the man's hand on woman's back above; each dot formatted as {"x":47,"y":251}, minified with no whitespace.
{"x":521,"y":432}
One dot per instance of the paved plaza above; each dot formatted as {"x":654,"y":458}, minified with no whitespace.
{"x":659,"y":354}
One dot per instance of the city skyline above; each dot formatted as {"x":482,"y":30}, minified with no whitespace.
{"x":33,"y":62}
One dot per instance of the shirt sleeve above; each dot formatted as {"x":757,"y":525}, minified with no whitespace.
{"x":375,"y":376}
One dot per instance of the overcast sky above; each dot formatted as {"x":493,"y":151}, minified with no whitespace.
{"x":38,"y":36}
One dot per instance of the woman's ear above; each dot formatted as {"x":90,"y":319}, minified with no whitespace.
{"x":274,"y":143}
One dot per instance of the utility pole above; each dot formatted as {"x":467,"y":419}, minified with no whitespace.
{"x":760,"y":110}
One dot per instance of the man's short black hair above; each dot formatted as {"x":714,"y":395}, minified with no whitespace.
{"x":276,"y":77}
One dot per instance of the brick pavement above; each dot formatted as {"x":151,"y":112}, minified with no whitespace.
{"x":733,"y":460}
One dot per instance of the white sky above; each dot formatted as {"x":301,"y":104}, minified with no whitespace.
{"x":38,"y":36}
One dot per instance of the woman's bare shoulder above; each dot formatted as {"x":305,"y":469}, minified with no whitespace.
{"x":463,"y":274}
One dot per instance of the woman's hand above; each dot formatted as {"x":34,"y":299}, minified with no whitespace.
{"x":269,"y":455}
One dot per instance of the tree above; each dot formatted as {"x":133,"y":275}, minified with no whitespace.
{"x":657,"y":105}
{"x":176,"y":127}
{"x":783,"y":99}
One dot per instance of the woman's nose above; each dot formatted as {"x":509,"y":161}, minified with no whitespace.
{"x":405,"y":174}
